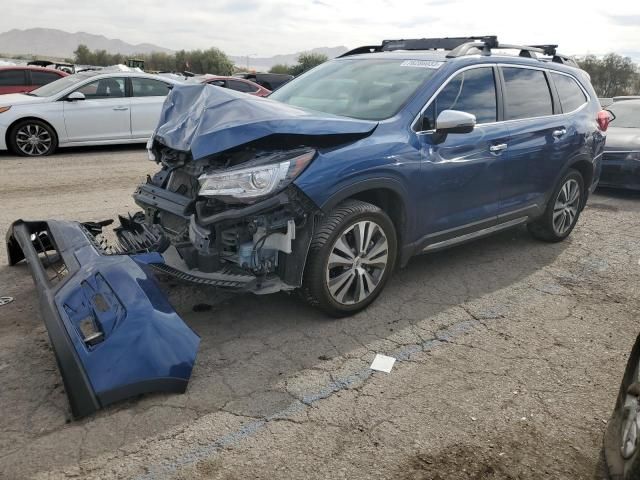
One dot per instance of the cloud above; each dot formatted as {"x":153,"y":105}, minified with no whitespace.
{"x":267,"y":27}
{"x":625,"y":20}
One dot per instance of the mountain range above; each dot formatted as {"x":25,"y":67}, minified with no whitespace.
{"x":49,"y":42}
{"x":58,"y":44}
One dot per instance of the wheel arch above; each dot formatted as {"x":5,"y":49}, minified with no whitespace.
{"x":385,"y":193}
{"x":586,"y":169}
{"x":10,"y":128}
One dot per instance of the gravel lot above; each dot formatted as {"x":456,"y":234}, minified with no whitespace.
{"x":510,"y":353}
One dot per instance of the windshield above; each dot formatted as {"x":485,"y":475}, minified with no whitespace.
{"x":365,"y":89}
{"x":627,"y":114}
{"x":57,"y":86}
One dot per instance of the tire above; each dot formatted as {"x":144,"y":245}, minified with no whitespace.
{"x":355,"y":276}
{"x":32,"y":138}
{"x":625,"y":467}
{"x":565,"y":210}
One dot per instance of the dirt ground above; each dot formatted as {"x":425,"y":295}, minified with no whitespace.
{"x":509,"y":350}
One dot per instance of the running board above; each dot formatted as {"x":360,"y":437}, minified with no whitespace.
{"x":473,"y":235}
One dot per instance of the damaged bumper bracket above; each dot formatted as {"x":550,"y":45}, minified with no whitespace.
{"x":114,"y":333}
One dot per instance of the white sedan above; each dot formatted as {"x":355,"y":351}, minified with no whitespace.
{"x":88,"y":108}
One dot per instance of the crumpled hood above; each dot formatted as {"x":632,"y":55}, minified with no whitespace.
{"x":622,"y":139}
{"x":206,"y":119}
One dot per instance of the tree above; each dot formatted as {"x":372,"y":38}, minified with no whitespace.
{"x":82,"y":54}
{"x":212,"y":60}
{"x":280,"y":68}
{"x":611,"y":75}
{"x":306,"y":61}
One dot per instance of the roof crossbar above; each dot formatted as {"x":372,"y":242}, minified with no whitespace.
{"x":461,"y":46}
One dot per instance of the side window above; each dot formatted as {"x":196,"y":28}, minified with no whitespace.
{"x":103,"y":88}
{"x":571,"y":95}
{"x":146,"y":87}
{"x":42,"y":78}
{"x":217,"y":83}
{"x":10,"y":78}
{"x":472,"y":91}
{"x":241,"y":86}
{"x":527,"y":93}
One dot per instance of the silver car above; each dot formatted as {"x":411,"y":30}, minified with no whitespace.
{"x":88,"y":108}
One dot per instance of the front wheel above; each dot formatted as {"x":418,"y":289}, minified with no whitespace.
{"x":562,"y":211}
{"x":33,"y":138}
{"x":350,"y":258}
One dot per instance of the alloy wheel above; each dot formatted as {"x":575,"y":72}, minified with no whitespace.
{"x":357,"y":262}
{"x":566,"y":207}
{"x":33,"y":139}
{"x":631,"y":418}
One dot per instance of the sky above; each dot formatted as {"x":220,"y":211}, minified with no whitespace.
{"x":269,"y":27}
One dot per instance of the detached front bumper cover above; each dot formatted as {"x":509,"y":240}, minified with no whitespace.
{"x":113,"y":332}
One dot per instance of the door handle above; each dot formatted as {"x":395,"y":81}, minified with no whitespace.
{"x":118,"y":109}
{"x":559,"y":133}
{"x":498,"y":148}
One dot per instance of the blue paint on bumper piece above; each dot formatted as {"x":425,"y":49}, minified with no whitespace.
{"x":113,"y":331}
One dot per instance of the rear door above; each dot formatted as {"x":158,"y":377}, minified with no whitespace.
{"x":146,"y":103}
{"x":535,"y":153}
{"x":13,"y":81}
{"x":103,"y":115}
{"x":462,"y":176}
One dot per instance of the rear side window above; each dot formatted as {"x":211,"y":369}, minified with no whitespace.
{"x":241,"y":86}
{"x":42,"y":78}
{"x":472,"y":91}
{"x":146,"y":87}
{"x":571,"y":95}
{"x":527,"y":93}
{"x":10,"y":78}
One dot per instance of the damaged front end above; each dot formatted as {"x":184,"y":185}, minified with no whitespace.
{"x":223,"y":210}
{"x":223,"y":220}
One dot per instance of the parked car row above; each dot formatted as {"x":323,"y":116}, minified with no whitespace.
{"x":44,"y":109}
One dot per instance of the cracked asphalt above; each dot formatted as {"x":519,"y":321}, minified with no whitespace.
{"x":510,"y":352}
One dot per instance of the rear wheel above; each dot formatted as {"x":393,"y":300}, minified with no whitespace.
{"x":563,"y":210}
{"x":33,"y":138}
{"x":350,"y":258}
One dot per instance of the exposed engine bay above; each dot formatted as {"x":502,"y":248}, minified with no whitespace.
{"x":215,"y":225}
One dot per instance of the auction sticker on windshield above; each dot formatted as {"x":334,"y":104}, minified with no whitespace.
{"x":421,"y":64}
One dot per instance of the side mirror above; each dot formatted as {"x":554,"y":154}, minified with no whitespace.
{"x":455,"y":121}
{"x":74,"y":96}
{"x":452,"y":121}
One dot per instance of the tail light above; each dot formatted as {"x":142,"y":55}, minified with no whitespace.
{"x":604,"y":118}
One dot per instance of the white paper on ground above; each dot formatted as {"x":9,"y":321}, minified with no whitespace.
{"x":382,"y":363}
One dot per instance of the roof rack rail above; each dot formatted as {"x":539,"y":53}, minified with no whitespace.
{"x":446,"y":43}
{"x":461,"y":46}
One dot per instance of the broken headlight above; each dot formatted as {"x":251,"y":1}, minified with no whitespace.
{"x":256,"y":181}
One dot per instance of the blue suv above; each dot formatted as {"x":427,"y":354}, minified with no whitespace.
{"x":325,"y":187}
{"x":386,"y":152}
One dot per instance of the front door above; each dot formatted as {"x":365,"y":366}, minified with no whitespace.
{"x":462,"y":175}
{"x":103,"y":115}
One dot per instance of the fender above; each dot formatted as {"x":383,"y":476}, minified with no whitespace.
{"x":408,"y":226}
